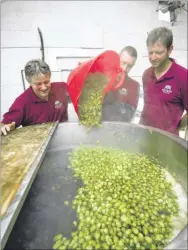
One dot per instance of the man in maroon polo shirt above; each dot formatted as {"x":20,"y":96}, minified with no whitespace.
{"x":165,"y":85}
{"x":42,"y":102}
{"x":120,"y":105}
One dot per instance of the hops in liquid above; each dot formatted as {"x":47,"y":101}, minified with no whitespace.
{"x":125,"y":203}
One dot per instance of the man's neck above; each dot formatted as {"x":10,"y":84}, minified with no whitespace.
{"x":45,"y":98}
{"x":160,"y":71}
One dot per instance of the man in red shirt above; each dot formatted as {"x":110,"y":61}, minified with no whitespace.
{"x":120,"y":105}
{"x":165,"y":85}
{"x":42,"y":102}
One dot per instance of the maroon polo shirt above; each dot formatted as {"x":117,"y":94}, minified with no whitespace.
{"x":165,"y":99}
{"x":29,"y":109}
{"x":129,"y":92}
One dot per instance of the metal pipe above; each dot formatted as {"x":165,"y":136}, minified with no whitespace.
{"x":42,"y":43}
{"x":23,"y":81}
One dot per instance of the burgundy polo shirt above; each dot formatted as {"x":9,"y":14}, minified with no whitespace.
{"x":129,"y":92}
{"x":29,"y":109}
{"x":165,"y":99}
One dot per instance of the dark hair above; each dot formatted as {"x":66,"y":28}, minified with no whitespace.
{"x":36,"y":67}
{"x":161,"y":34}
{"x":131,"y":50}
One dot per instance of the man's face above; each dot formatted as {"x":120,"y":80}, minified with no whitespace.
{"x":41,"y":85}
{"x":127,"y":61}
{"x":158,"y":54}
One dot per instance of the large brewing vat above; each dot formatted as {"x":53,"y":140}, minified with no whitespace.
{"x":44,"y":213}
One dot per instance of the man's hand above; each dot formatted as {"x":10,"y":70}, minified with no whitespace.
{"x":6,"y":128}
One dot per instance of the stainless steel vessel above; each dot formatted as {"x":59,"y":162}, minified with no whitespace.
{"x":44,"y":213}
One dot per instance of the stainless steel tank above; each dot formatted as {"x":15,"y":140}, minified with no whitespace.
{"x":44,"y":213}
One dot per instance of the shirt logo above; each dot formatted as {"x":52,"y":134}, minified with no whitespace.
{"x":58,"y":104}
{"x":167,"y":89}
{"x":123,"y":91}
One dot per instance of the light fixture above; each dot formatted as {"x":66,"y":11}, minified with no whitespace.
{"x":167,"y":10}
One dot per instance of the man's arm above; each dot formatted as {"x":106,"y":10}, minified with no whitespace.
{"x":184,"y":95}
{"x":13,"y":118}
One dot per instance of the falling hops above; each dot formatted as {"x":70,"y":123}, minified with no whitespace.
{"x":90,"y":102}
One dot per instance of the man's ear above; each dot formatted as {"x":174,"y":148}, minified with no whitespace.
{"x":170,"y":50}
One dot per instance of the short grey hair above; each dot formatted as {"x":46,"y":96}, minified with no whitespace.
{"x":161,"y":34}
{"x":35,"y":68}
{"x":130,"y":50}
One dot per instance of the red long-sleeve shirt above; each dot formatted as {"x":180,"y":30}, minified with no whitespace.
{"x":29,"y":109}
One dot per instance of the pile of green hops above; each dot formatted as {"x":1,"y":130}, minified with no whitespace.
{"x":90,"y":101}
{"x":125,"y":202}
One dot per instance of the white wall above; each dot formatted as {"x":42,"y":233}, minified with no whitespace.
{"x":72,"y":28}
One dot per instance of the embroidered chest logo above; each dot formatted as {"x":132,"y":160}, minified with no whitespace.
{"x":123,"y":91}
{"x":58,"y":104}
{"x":167,"y":89}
